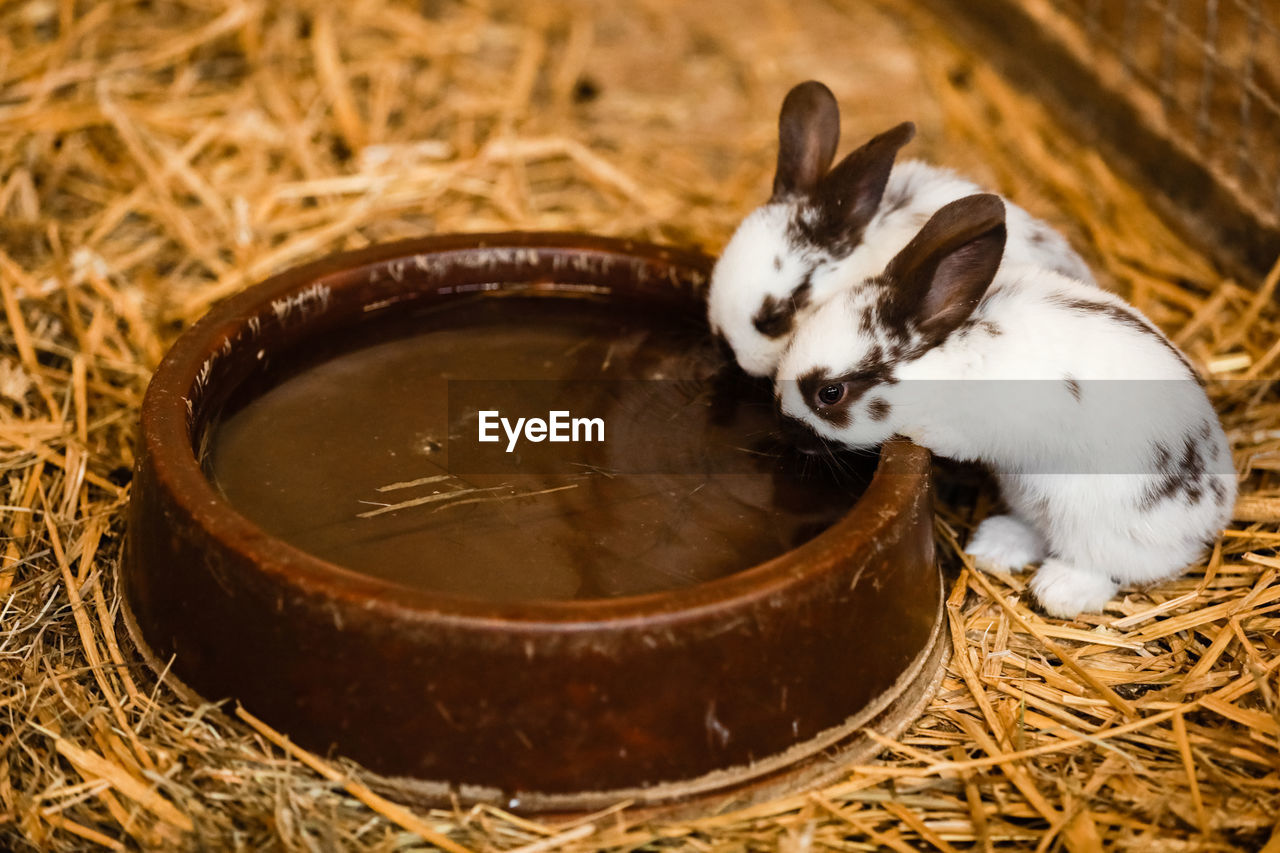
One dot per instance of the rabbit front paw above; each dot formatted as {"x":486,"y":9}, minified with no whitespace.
{"x":1005,"y":542}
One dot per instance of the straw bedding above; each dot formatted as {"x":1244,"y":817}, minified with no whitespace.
{"x":157,"y":156}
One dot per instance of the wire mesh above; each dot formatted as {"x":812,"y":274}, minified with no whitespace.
{"x":1206,"y":72}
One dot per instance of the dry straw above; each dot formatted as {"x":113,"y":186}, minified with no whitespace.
{"x":156,"y":156}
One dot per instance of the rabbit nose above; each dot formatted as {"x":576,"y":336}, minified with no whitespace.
{"x":800,"y":435}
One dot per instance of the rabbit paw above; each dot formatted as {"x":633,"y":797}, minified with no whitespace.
{"x":1064,"y":590}
{"x":1005,"y":542}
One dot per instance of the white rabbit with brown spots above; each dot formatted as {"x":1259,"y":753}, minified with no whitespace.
{"x":1108,"y":453}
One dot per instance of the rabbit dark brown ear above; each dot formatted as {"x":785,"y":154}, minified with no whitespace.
{"x":850,"y":194}
{"x":808,"y":133}
{"x":939,"y":278}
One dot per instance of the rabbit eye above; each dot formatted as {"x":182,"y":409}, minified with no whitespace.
{"x":829,"y":395}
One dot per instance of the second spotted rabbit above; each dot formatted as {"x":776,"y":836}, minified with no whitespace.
{"x":1107,"y":450}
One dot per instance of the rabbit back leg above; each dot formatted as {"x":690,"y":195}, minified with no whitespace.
{"x":1100,"y":537}
{"x":1065,"y":590}
{"x":1084,"y":574}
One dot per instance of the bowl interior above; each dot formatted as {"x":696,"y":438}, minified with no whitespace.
{"x":363,"y":448}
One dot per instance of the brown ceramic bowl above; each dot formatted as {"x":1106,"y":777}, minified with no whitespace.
{"x":733,"y":688}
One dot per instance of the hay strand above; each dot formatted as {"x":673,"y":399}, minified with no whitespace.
{"x":394,"y":812}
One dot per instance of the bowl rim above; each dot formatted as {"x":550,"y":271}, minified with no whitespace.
{"x":166,"y":441}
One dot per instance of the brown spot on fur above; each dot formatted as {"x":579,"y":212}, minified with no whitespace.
{"x":872,"y":370}
{"x":878,"y":409}
{"x":867,"y":323}
{"x":775,"y":317}
{"x":814,"y":381}
{"x":1073,"y":386}
{"x":987,"y":327}
{"x":1184,"y":474}
{"x":1124,"y":317}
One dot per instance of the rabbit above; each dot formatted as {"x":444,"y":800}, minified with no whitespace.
{"x":824,"y":231}
{"x":1107,"y":482}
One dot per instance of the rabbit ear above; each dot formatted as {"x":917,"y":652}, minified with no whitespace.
{"x":808,"y":132}
{"x":939,"y":278}
{"x":850,"y":195}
